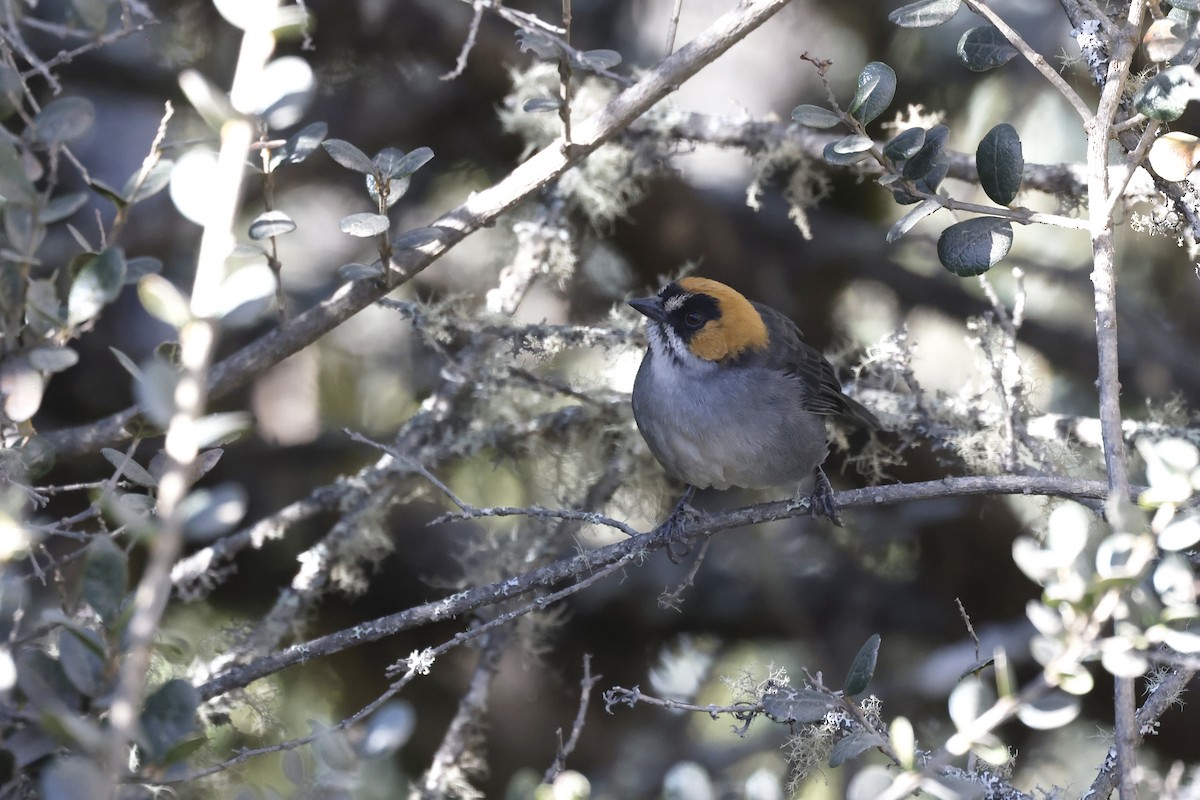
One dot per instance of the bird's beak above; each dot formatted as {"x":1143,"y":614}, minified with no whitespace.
{"x":650,"y":306}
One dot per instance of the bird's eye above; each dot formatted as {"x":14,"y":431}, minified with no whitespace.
{"x":694,"y":320}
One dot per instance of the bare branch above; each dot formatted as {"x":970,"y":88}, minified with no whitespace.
{"x":586,"y":684}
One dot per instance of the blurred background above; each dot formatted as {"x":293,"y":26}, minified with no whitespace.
{"x":797,"y":595}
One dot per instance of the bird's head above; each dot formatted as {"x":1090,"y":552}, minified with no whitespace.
{"x":705,"y":318}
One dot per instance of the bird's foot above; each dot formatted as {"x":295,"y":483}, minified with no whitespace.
{"x":674,"y":528}
{"x":820,"y":501}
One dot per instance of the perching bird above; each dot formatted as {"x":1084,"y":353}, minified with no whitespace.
{"x":729,"y":394}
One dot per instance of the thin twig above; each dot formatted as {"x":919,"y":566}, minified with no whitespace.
{"x":586,"y":684}
{"x":468,"y":43}
{"x":673,"y":26}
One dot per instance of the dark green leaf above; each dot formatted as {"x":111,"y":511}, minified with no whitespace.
{"x":300,"y":145}
{"x":105,"y":576}
{"x":62,"y":207}
{"x":597,"y":60}
{"x":364,"y":224}
{"x":83,"y":667}
{"x":356,"y":271}
{"x":184,"y":749}
{"x":168,"y":718}
{"x":64,"y":120}
{"x":209,"y":513}
{"x":876,"y":88}
{"x":815,"y":116}
{"x":909,"y":220}
{"x":974,"y":246}
{"x":832,"y":156}
{"x":137,"y":268}
{"x":1165,"y":96}
{"x":984,"y":47}
{"x":410,"y":163}
{"x":852,"y":746}
{"x":789,"y":704}
{"x":931,"y":155}
{"x":388,"y":729}
{"x":154,"y":182}
{"x":15,"y":185}
{"x":108,"y":193}
{"x":24,"y":230}
{"x":1000,"y":163}
{"x":348,"y":156}
{"x":536,"y":105}
{"x":97,"y":284}
{"x":542,"y":45}
{"x":854,"y":143}
{"x":271,"y":223}
{"x":424,"y":239}
{"x":93,"y":13}
{"x":905,"y":144}
{"x":51,"y":358}
{"x":129,"y":468}
{"x":925,"y":13}
{"x":858,"y":678}
{"x":73,"y":779}
{"x":155,"y":391}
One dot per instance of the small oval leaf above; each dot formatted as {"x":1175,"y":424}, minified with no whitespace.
{"x":811,"y":116}
{"x":789,"y":704}
{"x":271,"y":223}
{"x":854,"y":143}
{"x":925,"y":13}
{"x":348,"y":156}
{"x":876,"y":88}
{"x":162,"y":300}
{"x":1000,"y":163}
{"x":984,"y":47}
{"x":96,"y":285}
{"x":105,"y":575}
{"x":859,"y":676}
{"x":64,"y":120}
{"x":974,"y":246}
{"x":853,"y":746}
{"x":909,"y":220}
{"x":364,"y":224}
{"x":168,"y":717}
{"x":905,"y":144}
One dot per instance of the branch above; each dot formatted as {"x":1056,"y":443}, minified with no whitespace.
{"x":480,"y":209}
{"x":588,"y":564}
{"x":586,"y":684}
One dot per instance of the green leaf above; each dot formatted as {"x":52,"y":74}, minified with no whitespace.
{"x":832,"y":156}
{"x":184,"y":748}
{"x":597,"y":60}
{"x":925,"y":13}
{"x":1164,"y":40}
{"x":130,"y":469}
{"x":974,"y":246}
{"x":427,"y":240}
{"x":50,"y":358}
{"x":853,"y":746}
{"x":300,"y":145}
{"x":404,"y":166}
{"x":538,"y":105}
{"x":355,"y":271}
{"x":140,"y":267}
{"x":168,"y":718}
{"x":909,"y":220}
{"x":163,"y":301}
{"x":1165,"y":96}
{"x":97,"y":284}
{"x":271,"y":223}
{"x":24,"y":230}
{"x":854,"y":143}
{"x":931,"y":155}
{"x":154,"y":390}
{"x":82,"y":666}
{"x":348,"y":156}
{"x":876,"y":88}
{"x":815,"y":116}
{"x":93,"y":13}
{"x":105,"y":576}
{"x":1050,"y":711}
{"x":62,"y":207}
{"x":73,"y":779}
{"x":364,"y":224}
{"x":157,"y":179}
{"x":984,"y":47}
{"x":863,"y":669}
{"x":905,"y":144}
{"x":64,"y":120}
{"x":1000,"y":163}
{"x":15,"y":185}
{"x":789,"y":704}
{"x":209,"y":513}
{"x":396,"y":188}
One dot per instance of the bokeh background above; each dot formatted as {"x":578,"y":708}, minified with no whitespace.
{"x":800,"y":594}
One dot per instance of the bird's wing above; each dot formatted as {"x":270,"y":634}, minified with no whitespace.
{"x":822,"y":390}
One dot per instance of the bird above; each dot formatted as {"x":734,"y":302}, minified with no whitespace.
{"x":729,"y":394}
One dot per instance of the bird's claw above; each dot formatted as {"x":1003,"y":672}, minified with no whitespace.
{"x":674,"y":528}
{"x":820,"y":501}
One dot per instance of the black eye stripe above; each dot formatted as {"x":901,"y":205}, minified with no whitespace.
{"x":691,"y":312}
